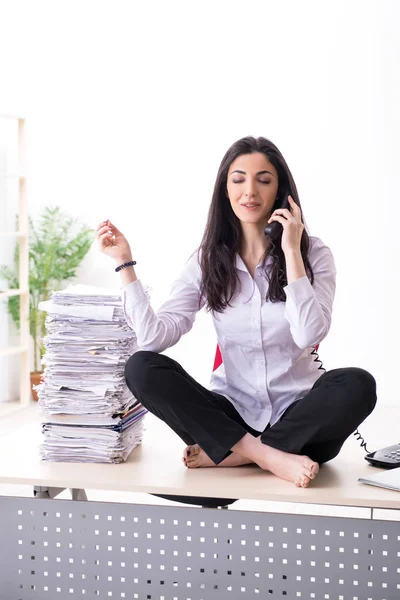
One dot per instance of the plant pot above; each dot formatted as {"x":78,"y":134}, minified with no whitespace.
{"x":36,"y":377}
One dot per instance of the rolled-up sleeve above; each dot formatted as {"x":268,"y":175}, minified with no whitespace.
{"x":175,"y":317}
{"x":309,"y":307}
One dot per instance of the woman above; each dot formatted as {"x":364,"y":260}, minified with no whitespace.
{"x":270,"y":402}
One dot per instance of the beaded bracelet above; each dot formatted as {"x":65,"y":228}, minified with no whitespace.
{"x":127,"y":264}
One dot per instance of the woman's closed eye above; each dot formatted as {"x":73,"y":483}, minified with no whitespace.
{"x":242,"y":180}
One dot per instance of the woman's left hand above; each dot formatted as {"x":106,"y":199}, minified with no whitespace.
{"x":292,"y":225}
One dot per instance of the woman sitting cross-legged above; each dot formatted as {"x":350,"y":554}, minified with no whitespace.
{"x":270,"y":402}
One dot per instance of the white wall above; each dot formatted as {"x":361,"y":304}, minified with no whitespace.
{"x":131,"y":106}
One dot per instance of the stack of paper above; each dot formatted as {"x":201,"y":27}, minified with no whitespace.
{"x":89,"y":414}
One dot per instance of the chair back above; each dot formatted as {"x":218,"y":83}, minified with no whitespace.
{"x":218,"y":357}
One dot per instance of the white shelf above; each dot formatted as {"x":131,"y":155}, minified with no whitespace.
{"x":13,"y":292}
{"x":23,"y":273}
{"x":11,"y":350}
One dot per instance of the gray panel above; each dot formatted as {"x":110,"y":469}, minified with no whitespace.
{"x":56,"y":549}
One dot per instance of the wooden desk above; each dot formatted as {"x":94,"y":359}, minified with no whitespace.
{"x":201,"y":548}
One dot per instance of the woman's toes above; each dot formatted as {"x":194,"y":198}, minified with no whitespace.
{"x":307,"y":462}
{"x":311,"y":468}
{"x":192,"y":450}
{"x":305,"y":480}
{"x":302,"y":482}
{"x":308,"y":473}
{"x":188,"y":451}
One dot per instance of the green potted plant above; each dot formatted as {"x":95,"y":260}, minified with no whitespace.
{"x":56,"y":248}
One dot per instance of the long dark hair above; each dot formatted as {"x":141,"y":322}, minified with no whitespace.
{"x":223,"y":234}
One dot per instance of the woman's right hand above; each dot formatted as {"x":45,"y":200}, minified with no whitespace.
{"x":112,"y":242}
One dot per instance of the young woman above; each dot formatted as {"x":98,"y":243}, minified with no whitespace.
{"x":270,"y":402}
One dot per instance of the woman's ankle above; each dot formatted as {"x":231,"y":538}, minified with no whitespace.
{"x":248,"y":447}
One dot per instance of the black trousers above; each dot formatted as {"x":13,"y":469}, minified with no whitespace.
{"x":316,"y":425}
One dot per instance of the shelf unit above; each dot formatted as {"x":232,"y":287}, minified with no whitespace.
{"x":21,"y":236}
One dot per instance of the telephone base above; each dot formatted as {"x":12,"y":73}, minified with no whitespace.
{"x":385,"y":458}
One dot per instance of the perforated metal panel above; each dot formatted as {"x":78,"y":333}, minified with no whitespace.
{"x":56,"y":549}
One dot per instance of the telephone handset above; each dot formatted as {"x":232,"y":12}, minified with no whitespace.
{"x":274,"y":229}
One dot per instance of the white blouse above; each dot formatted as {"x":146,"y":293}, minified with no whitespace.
{"x":269,"y":360}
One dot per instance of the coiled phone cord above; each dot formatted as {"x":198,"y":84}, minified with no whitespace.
{"x":321,"y":367}
{"x":363,"y":443}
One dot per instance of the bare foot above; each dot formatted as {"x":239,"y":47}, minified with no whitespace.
{"x":293,"y":467}
{"x":194,"y":457}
